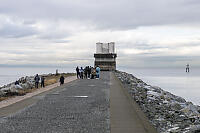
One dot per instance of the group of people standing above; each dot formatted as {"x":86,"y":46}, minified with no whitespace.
{"x":88,"y":72}
{"x":37,"y":80}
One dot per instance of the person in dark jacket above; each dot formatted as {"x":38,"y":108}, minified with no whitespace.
{"x":77,"y":72}
{"x":62,"y":79}
{"x":85,"y":72}
{"x":37,"y":79}
{"x":81,"y":72}
{"x":42,"y":81}
{"x":17,"y":82}
{"x":89,"y":71}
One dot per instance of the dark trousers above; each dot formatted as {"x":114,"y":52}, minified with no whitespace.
{"x":42,"y":84}
{"x":62,"y":82}
{"x":78,"y":75}
{"x":81,"y":75}
{"x":97,"y":75}
{"x":187,"y":69}
{"x":36,"y":84}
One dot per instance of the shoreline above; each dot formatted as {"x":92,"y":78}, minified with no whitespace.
{"x":167,"y":112}
{"x":27,"y":85}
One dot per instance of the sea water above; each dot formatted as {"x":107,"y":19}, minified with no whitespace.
{"x":173,"y":80}
{"x":11,"y":74}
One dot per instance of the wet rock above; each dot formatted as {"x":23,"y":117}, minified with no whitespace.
{"x":194,"y":129}
{"x":2,"y":93}
{"x":176,"y":106}
{"x":18,"y":87}
{"x":180,"y":100}
{"x":12,"y":89}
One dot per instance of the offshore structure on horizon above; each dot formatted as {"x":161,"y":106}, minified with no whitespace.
{"x":105,"y":56}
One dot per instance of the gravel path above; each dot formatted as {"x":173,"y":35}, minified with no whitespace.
{"x":81,"y":106}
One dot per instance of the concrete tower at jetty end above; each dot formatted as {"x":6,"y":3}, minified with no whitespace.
{"x":105,"y":56}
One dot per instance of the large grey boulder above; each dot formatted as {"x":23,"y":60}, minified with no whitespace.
{"x":2,"y":93}
{"x":194,"y":129}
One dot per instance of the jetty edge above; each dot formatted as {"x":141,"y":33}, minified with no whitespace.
{"x":167,"y":112}
{"x":125,"y":114}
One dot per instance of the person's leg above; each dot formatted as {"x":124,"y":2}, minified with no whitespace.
{"x":43,"y":84}
{"x":36,"y":85}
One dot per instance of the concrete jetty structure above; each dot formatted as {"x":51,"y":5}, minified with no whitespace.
{"x":105,"y":56}
{"x":79,"y":106}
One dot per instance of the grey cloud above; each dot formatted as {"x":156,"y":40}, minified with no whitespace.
{"x":61,"y":41}
{"x":157,"y":61}
{"x":16,"y":31}
{"x":29,"y":22}
{"x":52,"y":23}
{"x":141,"y":45}
{"x":111,"y":14}
{"x":53,"y":36}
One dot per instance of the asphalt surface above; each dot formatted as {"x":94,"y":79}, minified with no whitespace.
{"x":125,"y":115}
{"x":81,"y":106}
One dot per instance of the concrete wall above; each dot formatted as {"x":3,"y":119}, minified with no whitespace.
{"x":105,"y":56}
{"x":111,"y":46}
{"x":105,"y":59}
{"x":105,"y":48}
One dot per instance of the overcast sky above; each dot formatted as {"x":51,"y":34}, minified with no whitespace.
{"x":147,"y":33}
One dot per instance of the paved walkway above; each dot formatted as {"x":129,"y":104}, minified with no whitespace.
{"x":81,"y":106}
{"x":126,"y":117}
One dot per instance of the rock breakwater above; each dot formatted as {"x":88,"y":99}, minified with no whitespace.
{"x":12,"y":89}
{"x":167,"y":112}
{"x":27,"y":85}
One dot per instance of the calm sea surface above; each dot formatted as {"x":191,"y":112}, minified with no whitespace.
{"x":176,"y":81}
